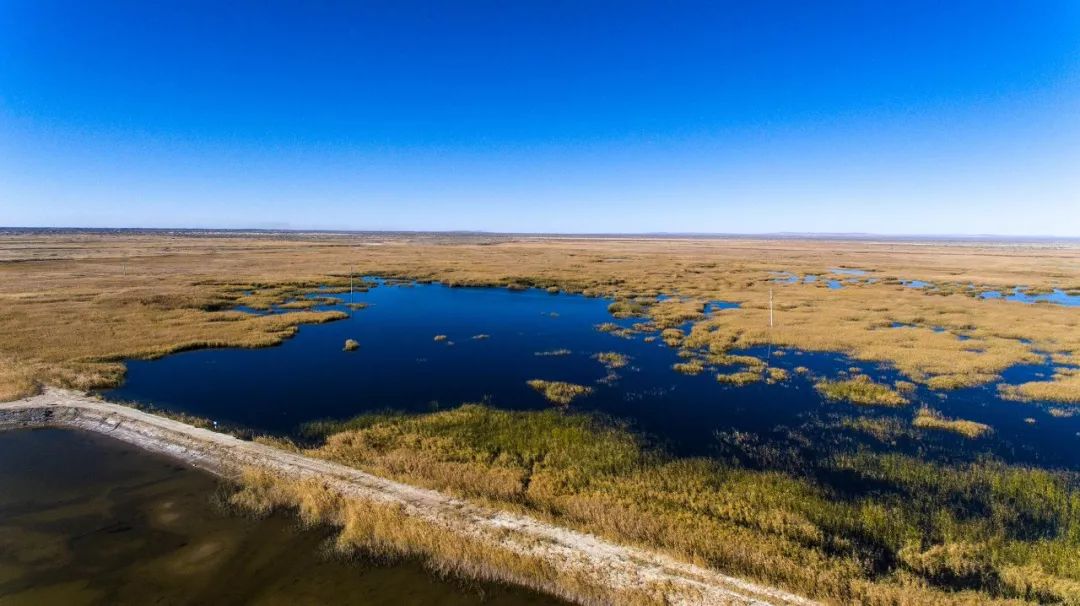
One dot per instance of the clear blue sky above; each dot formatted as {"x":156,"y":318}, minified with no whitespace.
{"x":576,"y":116}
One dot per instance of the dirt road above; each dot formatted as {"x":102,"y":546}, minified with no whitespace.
{"x":599,"y":561}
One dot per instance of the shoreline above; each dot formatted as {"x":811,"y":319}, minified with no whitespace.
{"x":599,"y":564}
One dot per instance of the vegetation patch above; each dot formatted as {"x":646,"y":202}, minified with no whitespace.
{"x":553,"y":352}
{"x":860,"y":390}
{"x":931,"y":419}
{"x":559,"y":392}
{"x":886,"y":430}
{"x":690,"y":367}
{"x":626,"y":309}
{"x":673,"y":337}
{"x":351,"y":345}
{"x":739,"y":378}
{"x":917,"y":533}
{"x":776,"y":375}
{"x":612,"y":359}
{"x":1064,"y":387}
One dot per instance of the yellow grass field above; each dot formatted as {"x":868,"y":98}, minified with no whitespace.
{"x":75,"y":304}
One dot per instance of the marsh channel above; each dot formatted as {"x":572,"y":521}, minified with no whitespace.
{"x":428,"y":347}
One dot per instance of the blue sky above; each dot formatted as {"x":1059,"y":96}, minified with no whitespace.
{"x":577,"y":116}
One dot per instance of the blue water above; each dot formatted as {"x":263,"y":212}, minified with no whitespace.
{"x":400,"y":366}
{"x":1057,"y":297}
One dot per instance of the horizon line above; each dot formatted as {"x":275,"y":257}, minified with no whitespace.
{"x":583,"y":234}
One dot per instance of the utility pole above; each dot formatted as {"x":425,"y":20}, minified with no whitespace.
{"x":768,"y":354}
{"x":770,"y":309}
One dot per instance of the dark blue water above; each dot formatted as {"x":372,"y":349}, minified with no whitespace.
{"x":400,"y":366}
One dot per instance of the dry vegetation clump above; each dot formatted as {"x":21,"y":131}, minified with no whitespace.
{"x":739,"y":378}
{"x":931,"y":419}
{"x":612,"y":359}
{"x":351,"y":345}
{"x":1064,"y":387}
{"x":776,"y":375}
{"x":913,"y":536}
{"x":861,"y":390}
{"x":627,"y":308}
{"x":690,"y":367}
{"x":440,"y":338}
{"x":673,"y":337}
{"x":559,"y":392}
{"x":733,"y":360}
{"x":1062,"y":413}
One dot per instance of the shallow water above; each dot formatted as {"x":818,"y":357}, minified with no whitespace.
{"x":88,"y":520}
{"x":400,"y":366}
{"x":1055,"y":297}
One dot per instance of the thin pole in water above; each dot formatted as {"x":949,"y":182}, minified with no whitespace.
{"x":768,"y":353}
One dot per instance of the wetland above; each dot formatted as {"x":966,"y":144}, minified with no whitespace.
{"x":881,"y":443}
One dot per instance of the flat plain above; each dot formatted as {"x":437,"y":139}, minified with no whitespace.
{"x":856,"y":524}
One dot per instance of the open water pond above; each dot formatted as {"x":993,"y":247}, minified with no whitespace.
{"x":497,"y":339}
{"x":87,"y":520}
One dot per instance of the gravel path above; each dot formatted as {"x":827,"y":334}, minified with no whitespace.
{"x":600,"y":561}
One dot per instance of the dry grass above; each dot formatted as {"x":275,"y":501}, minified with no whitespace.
{"x":351,"y":345}
{"x":136,"y":295}
{"x":931,"y":419}
{"x":912,"y":539}
{"x":739,"y":378}
{"x":387,"y":531}
{"x":861,"y":390}
{"x":690,"y":367}
{"x":559,"y":392}
{"x":612,"y":359}
{"x":1064,"y":387}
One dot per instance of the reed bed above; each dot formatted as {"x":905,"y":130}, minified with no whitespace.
{"x":900,"y":531}
{"x":931,"y":419}
{"x":861,"y":390}
{"x":559,"y":392}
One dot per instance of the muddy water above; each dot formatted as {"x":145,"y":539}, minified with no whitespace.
{"x":86,"y":520}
